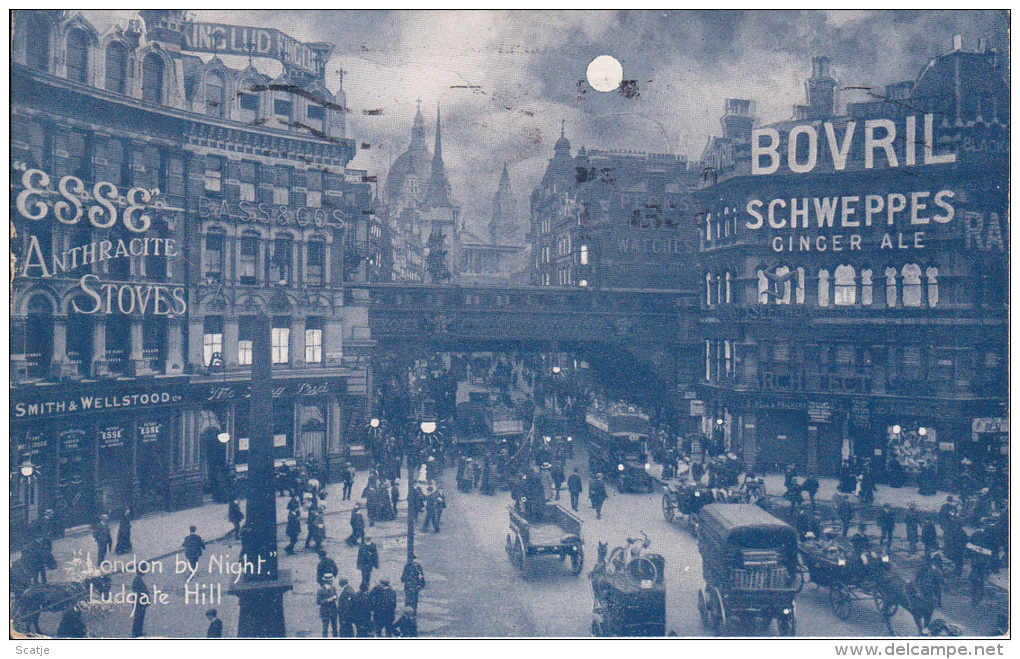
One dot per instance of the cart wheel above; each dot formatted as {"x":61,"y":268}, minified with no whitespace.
{"x":577,"y":561}
{"x":706,"y":621}
{"x":719,"y":623}
{"x":522,"y":558}
{"x":839,"y":598}
{"x":668,"y":508}
{"x":509,"y":548}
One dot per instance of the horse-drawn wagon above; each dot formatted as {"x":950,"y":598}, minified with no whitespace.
{"x":555,"y":532}
{"x":630,"y":592}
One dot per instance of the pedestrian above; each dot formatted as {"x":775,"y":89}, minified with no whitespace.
{"x":348,"y":478}
{"x":867,"y":490}
{"x":327,"y":599}
{"x":215,"y":624}
{"x":407,"y":625}
{"x":384,"y":608}
{"x":886,"y":524}
{"x":557,"y":477}
{"x":912,"y":520}
{"x":847,"y":479}
{"x":574,"y":487}
{"x":431,"y":513}
{"x":316,"y":527}
{"x":143,"y":595}
{"x":361,"y":613}
{"x":946,"y":513}
{"x":548,"y":484}
{"x":326,"y":566}
{"x":234,"y":516}
{"x":929,"y":538}
{"x":293,"y":530}
{"x":811,"y":487}
{"x":956,"y":538}
{"x":395,"y":496}
{"x":535,"y":494}
{"x":416,"y":502}
{"x":440,"y":503}
{"x":845,"y":510}
{"x":294,"y":503}
{"x":344,"y":607}
{"x":357,"y":527}
{"x":413,"y":579}
{"x":193,"y":546}
{"x":50,"y":525}
{"x":979,"y":550}
{"x":371,"y":504}
{"x":790,"y":476}
{"x":476,"y":473}
{"x":368,"y":559}
{"x":597,"y":495}
{"x":124,"y":534}
{"x":101,"y":534}
{"x":929,"y":582}
{"x":487,"y":485}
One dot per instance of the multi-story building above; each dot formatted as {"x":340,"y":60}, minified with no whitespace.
{"x":613,"y":219}
{"x":160,"y":202}
{"x":854,"y":282}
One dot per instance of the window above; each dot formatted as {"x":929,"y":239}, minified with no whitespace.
{"x":729,"y":289}
{"x":823,"y":288}
{"x":911,"y":285}
{"x":152,"y":78}
{"x":316,"y":261}
{"x":728,"y":356}
{"x":39,"y":336}
{"x":247,"y":173}
{"x":213,"y":256}
{"x":215,"y":99}
{"x":584,"y":255}
{"x":801,"y":278}
{"x":214,"y":174}
{"x":313,"y":341}
{"x":932,"y":274}
{"x":784,"y":286}
{"x":37,"y":44}
{"x":763,"y":287}
{"x":116,"y":68}
{"x":154,"y":342}
{"x":844,"y":355}
{"x":282,"y":260}
{"x":281,"y":340}
{"x":890,"y":287}
{"x":78,"y":56}
{"x":866,"y":287}
{"x":212,"y":340}
{"x":248,"y":107}
{"x":708,"y":289}
{"x":245,"y":326}
{"x":282,"y":108}
{"x":79,"y":336}
{"x":248,"y":264}
{"x":281,"y":187}
{"x":708,"y":360}
{"x":317,"y":117}
{"x":118,"y":342}
{"x":157,"y":267}
{"x":313,"y":182}
{"x":120,"y":268}
{"x":845,"y":293}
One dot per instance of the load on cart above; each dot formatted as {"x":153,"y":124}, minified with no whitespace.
{"x":630,"y":591}
{"x":749,"y":564}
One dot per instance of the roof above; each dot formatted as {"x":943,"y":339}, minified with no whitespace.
{"x":726,"y":518}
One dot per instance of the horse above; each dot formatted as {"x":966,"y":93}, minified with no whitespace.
{"x":918,"y":599}
{"x":36,"y":558}
{"x":54,"y":598}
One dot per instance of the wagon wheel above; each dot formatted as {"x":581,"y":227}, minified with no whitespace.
{"x":668,"y":507}
{"x":719,"y":621}
{"x":521,"y":557}
{"x":577,"y":561}
{"x":706,"y":621}
{"x":839,"y":598}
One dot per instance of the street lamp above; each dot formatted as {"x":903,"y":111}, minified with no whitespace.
{"x":427,"y":427}
{"x":27,"y":469}
{"x":897,"y":429}
{"x":922,"y":431}
{"x":223,"y":437}
{"x":374,"y":422}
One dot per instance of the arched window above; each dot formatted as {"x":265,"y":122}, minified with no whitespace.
{"x":152,"y":78}
{"x":116,"y":68}
{"x":890,"y":287}
{"x":719,"y":289}
{"x":911,"y":285}
{"x":316,"y":261}
{"x":932,"y":274}
{"x":866,"y":287}
{"x":79,"y":334}
{"x":729,"y":288}
{"x":823,"y":288}
{"x":215,"y":99}
{"x":78,"y":56}
{"x":845,"y":292}
{"x":801,"y":277}
{"x":39,"y":336}
{"x":37,"y":43}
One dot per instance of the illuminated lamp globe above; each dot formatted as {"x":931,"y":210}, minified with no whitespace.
{"x":556,"y":369}
{"x":27,"y":469}
{"x":897,"y":429}
{"x":428,"y":427}
{"x":922,"y":431}
{"x":374,"y":422}
{"x":223,"y":437}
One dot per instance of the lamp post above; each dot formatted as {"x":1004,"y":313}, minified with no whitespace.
{"x":260,"y":593}
{"x":427,"y":428}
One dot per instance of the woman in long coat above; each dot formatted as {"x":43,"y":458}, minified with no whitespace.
{"x":124,"y":535}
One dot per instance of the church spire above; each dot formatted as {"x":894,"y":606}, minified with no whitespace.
{"x":439,"y":189}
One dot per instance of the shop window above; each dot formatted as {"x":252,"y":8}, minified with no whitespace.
{"x":823,"y":288}
{"x":890,"y":287}
{"x":912,"y":363}
{"x":39,"y":336}
{"x":313,"y":198}
{"x":214,"y":174}
{"x":79,"y":335}
{"x":248,"y":265}
{"x":281,"y":187}
{"x":37,"y":43}
{"x":152,"y":78}
{"x":78,"y":56}
{"x":313,"y":340}
{"x":154,"y":342}
{"x":845,"y":286}
{"x":212,"y":257}
{"x":844,"y":355}
{"x":118,"y":342}
{"x":781,"y":352}
{"x":245,"y":332}
{"x":866,"y":287}
{"x":116,"y":68}
{"x":212,"y":340}
{"x":282,"y":260}
{"x":281,"y":339}
{"x":248,"y":107}
{"x":247,"y":174}
{"x":215,"y":97}
{"x":932,"y":274}
{"x":316,"y":261}
{"x":911,"y":285}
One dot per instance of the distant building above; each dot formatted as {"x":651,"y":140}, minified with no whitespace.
{"x":499,"y":258}
{"x":855,"y":274}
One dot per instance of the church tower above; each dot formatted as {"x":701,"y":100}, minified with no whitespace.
{"x":439,"y":189}
{"x":503,"y":228}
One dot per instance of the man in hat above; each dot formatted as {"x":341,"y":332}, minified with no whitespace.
{"x":913,"y":522}
{"x":597,"y":495}
{"x":104,"y":539}
{"x":413,"y":579}
{"x":368,"y":559}
{"x":574,"y":487}
{"x":293,"y":530}
{"x":361,"y":612}
{"x":348,"y":477}
{"x":193,"y":546}
{"x":215,"y":624}
{"x":929,"y":537}
{"x":234,"y":516}
{"x":327,"y":599}
{"x":395,"y":496}
{"x":143,"y":596}
{"x":384,"y":608}
{"x":431,"y":510}
{"x":558,"y":477}
{"x":946,"y":512}
{"x":845,"y":510}
{"x":887,"y":524}
{"x":811,"y":487}
{"x":357,"y":526}
{"x":326,"y":566}
{"x":407,"y":626}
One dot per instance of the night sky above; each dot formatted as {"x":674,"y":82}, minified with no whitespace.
{"x":505,"y":80}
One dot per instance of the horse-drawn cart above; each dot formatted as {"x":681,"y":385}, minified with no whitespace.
{"x":850,"y":575}
{"x":749,"y":563}
{"x":683,"y":501}
{"x":557,"y":532}
{"x":630,"y":593}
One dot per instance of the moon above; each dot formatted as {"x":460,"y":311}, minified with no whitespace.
{"x":605,"y":73}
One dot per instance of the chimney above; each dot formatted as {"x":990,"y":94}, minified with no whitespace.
{"x":957,"y":42}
